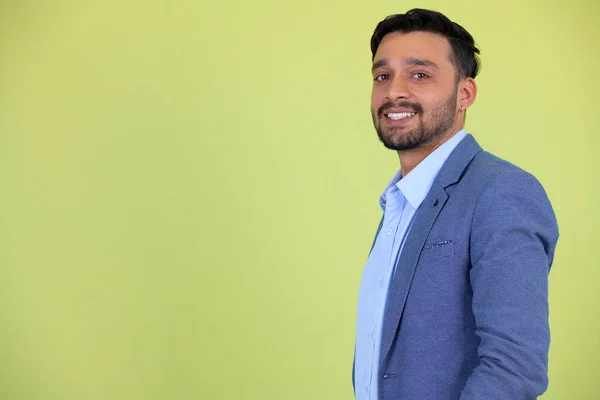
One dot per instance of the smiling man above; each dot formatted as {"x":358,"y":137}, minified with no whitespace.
{"x":453,"y":301}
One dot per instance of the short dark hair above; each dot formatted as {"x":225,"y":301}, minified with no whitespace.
{"x":464,"y":51}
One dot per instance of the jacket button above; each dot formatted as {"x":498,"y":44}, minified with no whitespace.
{"x":435,"y":202}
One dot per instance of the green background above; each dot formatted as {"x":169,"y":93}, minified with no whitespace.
{"x":188,"y":189}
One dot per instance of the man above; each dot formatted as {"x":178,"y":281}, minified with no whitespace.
{"x":453,"y":301}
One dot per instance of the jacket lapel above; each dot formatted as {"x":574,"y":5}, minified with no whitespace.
{"x":450,"y":173}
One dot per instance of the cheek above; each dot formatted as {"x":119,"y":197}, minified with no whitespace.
{"x":428,"y":104}
{"x":433,"y":100}
{"x":427,"y":98}
{"x":376,"y":100}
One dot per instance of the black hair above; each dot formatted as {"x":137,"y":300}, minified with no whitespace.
{"x":464,"y":51}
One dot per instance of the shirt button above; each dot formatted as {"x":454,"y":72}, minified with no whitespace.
{"x":389,"y":232}
{"x":381,"y":283}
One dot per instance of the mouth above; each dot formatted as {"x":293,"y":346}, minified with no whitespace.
{"x":398,"y":118}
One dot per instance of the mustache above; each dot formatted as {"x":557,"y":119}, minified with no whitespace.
{"x":415,"y":107}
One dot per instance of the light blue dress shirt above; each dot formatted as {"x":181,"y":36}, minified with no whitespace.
{"x":399,"y":202}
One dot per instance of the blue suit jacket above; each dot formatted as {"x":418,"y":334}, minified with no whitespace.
{"x":467,"y":310}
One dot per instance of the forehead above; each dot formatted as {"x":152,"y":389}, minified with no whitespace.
{"x":397,"y":46}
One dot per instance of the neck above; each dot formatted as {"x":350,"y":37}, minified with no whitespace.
{"x":409,"y":159}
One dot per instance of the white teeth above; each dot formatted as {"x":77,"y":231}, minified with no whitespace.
{"x":401,"y":115}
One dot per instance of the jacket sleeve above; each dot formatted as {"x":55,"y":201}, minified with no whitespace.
{"x":513,"y":237}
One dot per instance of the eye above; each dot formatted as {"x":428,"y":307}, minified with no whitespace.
{"x":381,"y":77}
{"x":420,"y":75}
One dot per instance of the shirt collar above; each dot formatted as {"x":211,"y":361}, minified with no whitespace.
{"x":416,"y":184}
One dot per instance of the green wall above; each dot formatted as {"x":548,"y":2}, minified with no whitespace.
{"x":188,"y":191}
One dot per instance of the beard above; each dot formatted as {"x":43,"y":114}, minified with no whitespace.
{"x":399,"y":138}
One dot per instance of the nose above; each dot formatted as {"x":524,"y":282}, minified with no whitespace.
{"x":398,"y":89}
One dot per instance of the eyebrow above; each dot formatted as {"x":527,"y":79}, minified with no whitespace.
{"x":409,"y":61}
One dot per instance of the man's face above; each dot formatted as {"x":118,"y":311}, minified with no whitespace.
{"x":414,"y":97}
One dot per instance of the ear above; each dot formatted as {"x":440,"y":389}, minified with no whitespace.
{"x":467,"y":92}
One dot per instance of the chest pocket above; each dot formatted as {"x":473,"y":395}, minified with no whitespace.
{"x":436,"y":251}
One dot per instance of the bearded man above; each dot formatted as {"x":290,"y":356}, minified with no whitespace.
{"x":453,"y":301}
